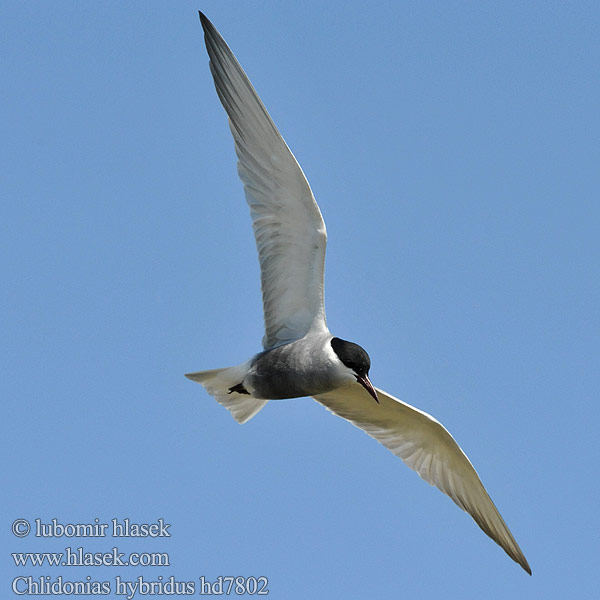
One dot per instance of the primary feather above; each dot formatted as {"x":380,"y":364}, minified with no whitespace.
{"x":288,"y":226}
{"x":427,"y":447}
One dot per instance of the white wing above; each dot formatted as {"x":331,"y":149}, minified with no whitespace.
{"x":288,"y":226}
{"x":426,"y":447}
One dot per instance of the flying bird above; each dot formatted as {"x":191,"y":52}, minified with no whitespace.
{"x":300,"y":357}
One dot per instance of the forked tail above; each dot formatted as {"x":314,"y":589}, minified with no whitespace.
{"x":218,"y":382}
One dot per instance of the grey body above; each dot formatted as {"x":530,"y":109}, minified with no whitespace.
{"x":305,"y":367}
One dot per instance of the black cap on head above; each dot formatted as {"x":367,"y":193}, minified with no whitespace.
{"x":355,"y":358}
{"x":352,"y":355}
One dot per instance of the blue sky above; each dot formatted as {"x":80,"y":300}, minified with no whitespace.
{"x":453,"y":149}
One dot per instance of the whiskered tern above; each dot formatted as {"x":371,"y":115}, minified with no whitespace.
{"x":300,"y":356}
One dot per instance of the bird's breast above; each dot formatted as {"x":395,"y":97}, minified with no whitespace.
{"x":291,"y":371}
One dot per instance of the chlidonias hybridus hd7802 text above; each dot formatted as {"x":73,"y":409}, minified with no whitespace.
{"x":300,"y":356}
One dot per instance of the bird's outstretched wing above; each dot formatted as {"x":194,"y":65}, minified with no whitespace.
{"x":426,"y":447}
{"x":288,"y":226}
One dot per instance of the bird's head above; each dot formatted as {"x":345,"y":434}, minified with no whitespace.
{"x":356,"y":359}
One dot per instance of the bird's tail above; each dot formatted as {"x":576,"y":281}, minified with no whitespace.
{"x":218,"y":383}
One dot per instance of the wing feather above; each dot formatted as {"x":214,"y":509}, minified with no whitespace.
{"x":288,"y":226}
{"x":427,"y":447}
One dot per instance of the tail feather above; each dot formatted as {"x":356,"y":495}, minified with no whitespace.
{"x":217,"y":382}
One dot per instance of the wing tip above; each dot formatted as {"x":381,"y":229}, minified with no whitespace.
{"x":206,"y":23}
{"x":524,"y":564}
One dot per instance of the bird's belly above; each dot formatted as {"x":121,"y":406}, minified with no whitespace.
{"x":279,"y":377}
{"x":279,"y":387}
